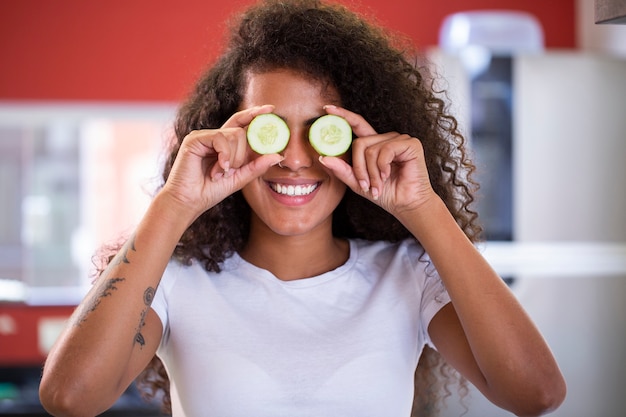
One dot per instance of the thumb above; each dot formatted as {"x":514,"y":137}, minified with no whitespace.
{"x":342,"y":170}
{"x":255,"y":169}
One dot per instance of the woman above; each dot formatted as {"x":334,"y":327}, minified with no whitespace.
{"x":320,"y":300}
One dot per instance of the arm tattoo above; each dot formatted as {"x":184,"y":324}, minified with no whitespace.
{"x":148,"y":296}
{"x":105,"y":289}
{"x":123,"y":255}
{"x":107,"y":286}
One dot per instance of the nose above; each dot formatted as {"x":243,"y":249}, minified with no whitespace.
{"x":299,"y":153}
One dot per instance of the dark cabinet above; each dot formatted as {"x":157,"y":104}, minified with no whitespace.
{"x":610,"y":11}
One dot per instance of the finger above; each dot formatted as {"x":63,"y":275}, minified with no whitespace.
{"x":254,"y":169}
{"x":387,"y":154}
{"x":224,"y":143}
{"x":229,"y":147}
{"x":343,"y":171}
{"x":242,"y":153}
{"x":360,"y":164}
{"x":244,"y":117}
{"x":372,"y":162}
{"x":359,"y":125}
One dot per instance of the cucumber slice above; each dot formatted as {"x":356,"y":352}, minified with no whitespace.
{"x":330,"y":135}
{"x":268,"y":133}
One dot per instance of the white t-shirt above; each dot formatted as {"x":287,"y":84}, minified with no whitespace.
{"x":242,"y":343}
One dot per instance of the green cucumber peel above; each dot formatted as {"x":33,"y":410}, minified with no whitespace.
{"x":267,"y":133}
{"x":330,"y":135}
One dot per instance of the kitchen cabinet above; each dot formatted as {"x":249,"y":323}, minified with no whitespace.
{"x":610,"y":11}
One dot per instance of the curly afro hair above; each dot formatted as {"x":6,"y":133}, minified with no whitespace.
{"x":378,"y":75}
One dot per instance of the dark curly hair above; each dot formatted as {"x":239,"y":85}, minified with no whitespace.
{"x":378,"y":75}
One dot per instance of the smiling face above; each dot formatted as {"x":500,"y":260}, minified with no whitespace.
{"x":298,"y":198}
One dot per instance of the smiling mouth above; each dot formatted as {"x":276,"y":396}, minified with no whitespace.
{"x":293,"y":190}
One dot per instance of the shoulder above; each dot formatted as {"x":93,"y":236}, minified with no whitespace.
{"x":175,"y":269}
{"x":407,"y":250}
{"x":405,"y":261}
{"x":403,"y":258}
{"x":384,"y":246}
{"x":178,"y":275}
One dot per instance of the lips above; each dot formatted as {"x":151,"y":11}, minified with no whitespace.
{"x":293,"y":190}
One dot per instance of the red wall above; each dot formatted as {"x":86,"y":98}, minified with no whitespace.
{"x":152,"y":50}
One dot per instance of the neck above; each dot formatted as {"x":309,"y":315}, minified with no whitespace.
{"x":295,"y":257}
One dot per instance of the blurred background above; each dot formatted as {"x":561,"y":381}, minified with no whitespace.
{"x":88,"y":91}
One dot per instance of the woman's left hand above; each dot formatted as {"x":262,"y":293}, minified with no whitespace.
{"x":388,"y":169}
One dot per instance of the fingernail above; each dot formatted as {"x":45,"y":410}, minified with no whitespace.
{"x":321,"y":159}
{"x":364,"y":185}
{"x":375,"y":193}
{"x":330,"y":106}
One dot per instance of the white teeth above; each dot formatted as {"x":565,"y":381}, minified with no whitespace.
{"x":294,"y":190}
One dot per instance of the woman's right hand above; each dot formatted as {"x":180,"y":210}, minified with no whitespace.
{"x":214,"y":163}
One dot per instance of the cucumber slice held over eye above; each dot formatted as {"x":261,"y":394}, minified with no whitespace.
{"x":268,"y":133}
{"x":330,"y":135}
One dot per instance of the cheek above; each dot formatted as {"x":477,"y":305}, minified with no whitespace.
{"x":338,"y":189}
{"x":251,"y":193}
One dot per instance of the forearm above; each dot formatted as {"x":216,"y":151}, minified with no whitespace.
{"x":507,"y":347}
{"x":105,"y":342}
